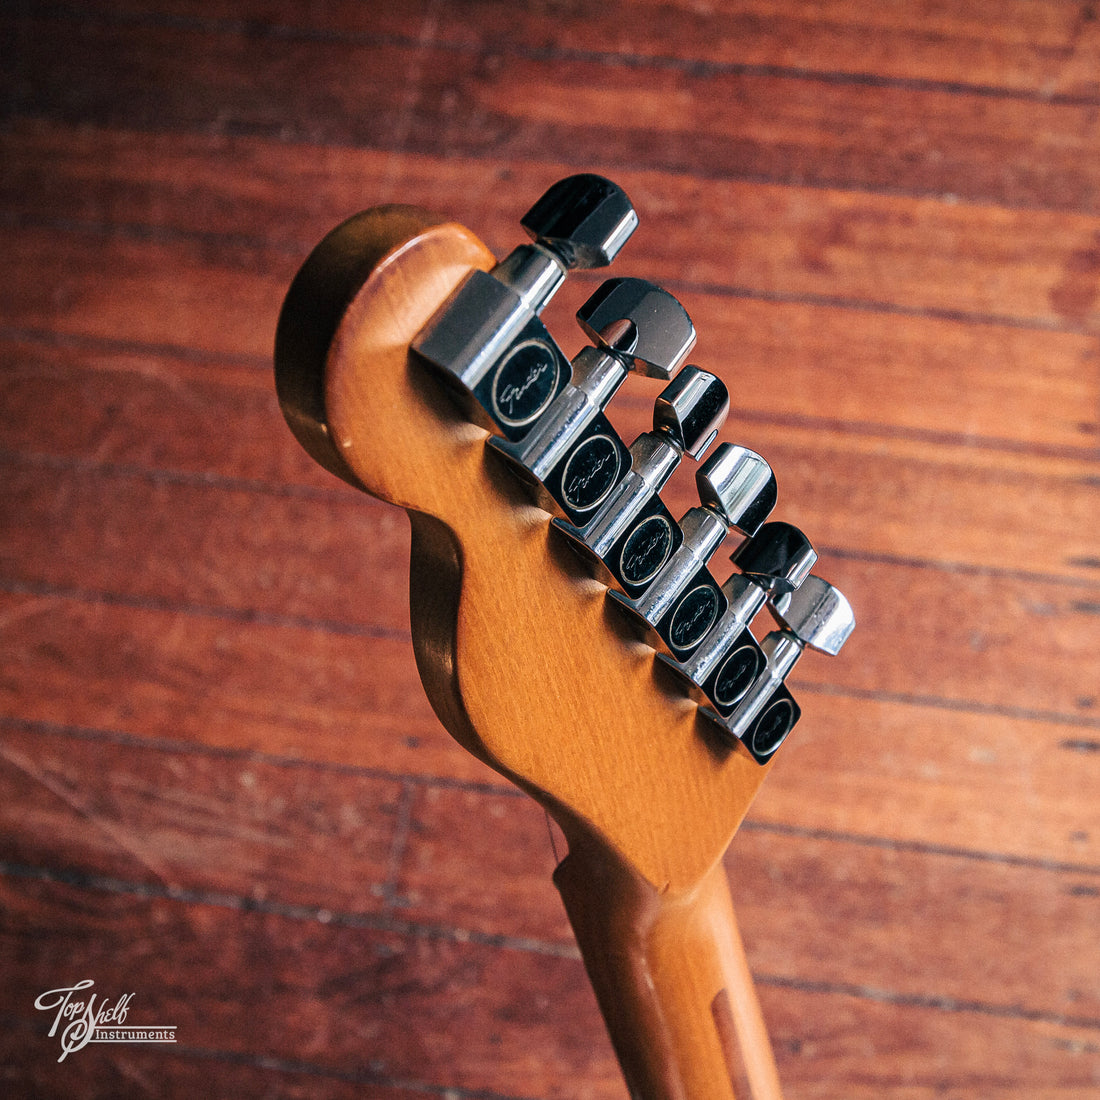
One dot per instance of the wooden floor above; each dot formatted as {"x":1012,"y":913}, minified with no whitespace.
{"x":222,"y":788}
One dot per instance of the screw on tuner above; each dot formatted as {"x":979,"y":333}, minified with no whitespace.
{"x":488,"y":340}
{"x":632,"y":533}
{"x":737,"y":490}
{"x":816,"y":615}
{"x":574,"y":453}
{"x":774,"y":562}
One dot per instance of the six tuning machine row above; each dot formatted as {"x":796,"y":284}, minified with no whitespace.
{"x":548,"y":422}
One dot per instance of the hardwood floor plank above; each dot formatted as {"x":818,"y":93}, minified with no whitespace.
{"x":898,"y":138}
{"x":141,"y":292}
{"x":909,"y":770}
{"x":886,"y":252}
{"x":856,"y":915}
{"x":1003,"y":643}
{"x":901,"y":501}
{"x":1026,"y":47}
{"x":215,"y":548}
{"x":935,"y":501}
{"x":284,"y":691}
{"x":864,"y":915}
{"x":221,"y":786}
{"x":878,"y":372}
{"x":134,"y":1073}
{"x":198,"y":821}
{"x":372,"y":1003}
{"x":837,"y":1051}
{"x":793,"y":362}
{"x":934,"y":775}
{"x":373,"y":999}
{"x":149,"y":409}
{"x":482,"y":861}
{"x":924,"y":924}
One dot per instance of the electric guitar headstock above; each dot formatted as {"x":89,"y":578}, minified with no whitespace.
{"x":566,"y":625}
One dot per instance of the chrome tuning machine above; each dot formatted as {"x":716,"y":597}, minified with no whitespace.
{"x":737,"y":490}
{"x":487,"y":339}
{"x":773,"y":563}
{"x":632,"y":532}
{"x":573,"y":452}
{"x":816,"y":615}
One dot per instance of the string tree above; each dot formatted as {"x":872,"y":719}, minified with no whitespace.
{"x":487,"y":340}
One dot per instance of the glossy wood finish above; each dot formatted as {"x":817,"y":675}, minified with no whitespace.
{"x":222,"y":785}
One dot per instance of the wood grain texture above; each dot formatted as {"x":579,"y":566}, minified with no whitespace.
{"x":222,"y":787}
{"x":1032,"y":150}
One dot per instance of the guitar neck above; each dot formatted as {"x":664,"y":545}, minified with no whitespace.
{"x":671,"y":979}
{"x":521,"y":650}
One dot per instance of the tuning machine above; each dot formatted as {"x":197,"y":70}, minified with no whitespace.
{"x":487,"y":339}
{"x":772,"y":563}
{"x":574,"y":452}
{"x":816,"y":615}
{"x":632,"y":533}
{"x":737,"y":490}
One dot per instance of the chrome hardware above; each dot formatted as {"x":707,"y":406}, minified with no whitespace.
{"x":683,"y":601}
{"x":487,"y":338}
{"x":816,"y":615}
{"x":585,"y":220}
{"x":737,"y":486}
{"x":692,"y":410}
{"x":632,"y":532}
{"x":573,"y":451}
{"x":639,"y":323}
{"x":728,"y":660}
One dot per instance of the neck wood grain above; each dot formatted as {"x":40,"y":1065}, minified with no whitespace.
{"x":671,"y":979}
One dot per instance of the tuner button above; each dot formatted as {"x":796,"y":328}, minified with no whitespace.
{"x":738,"y":485}
{"x":584,"y":219}
{"x":639,"y":323}
{"x":691,"y":409}
{"x":778,"y":558}
{"x":817,"y":614}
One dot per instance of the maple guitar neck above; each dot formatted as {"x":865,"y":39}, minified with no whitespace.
{"x":527,"y":669}
{"x":671,"y":979}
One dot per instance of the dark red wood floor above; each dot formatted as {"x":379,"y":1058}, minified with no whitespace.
{"x":222,"y":789}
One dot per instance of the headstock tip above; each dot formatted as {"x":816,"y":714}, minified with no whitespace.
{"x":312,"y":310}
{"x":403,"y":255}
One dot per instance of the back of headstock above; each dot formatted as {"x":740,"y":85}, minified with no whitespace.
{"x":525,"y":659}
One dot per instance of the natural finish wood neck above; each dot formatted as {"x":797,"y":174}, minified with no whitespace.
{"x":671,"y":979}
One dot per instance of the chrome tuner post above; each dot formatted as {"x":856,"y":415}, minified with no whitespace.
{"x":487,"y":339}
{"x":775,"y":561}
{"x":737,"y":490}
{"x":632,"y":532}
{"x":816,"y":615}
{"x":573,"y":452}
